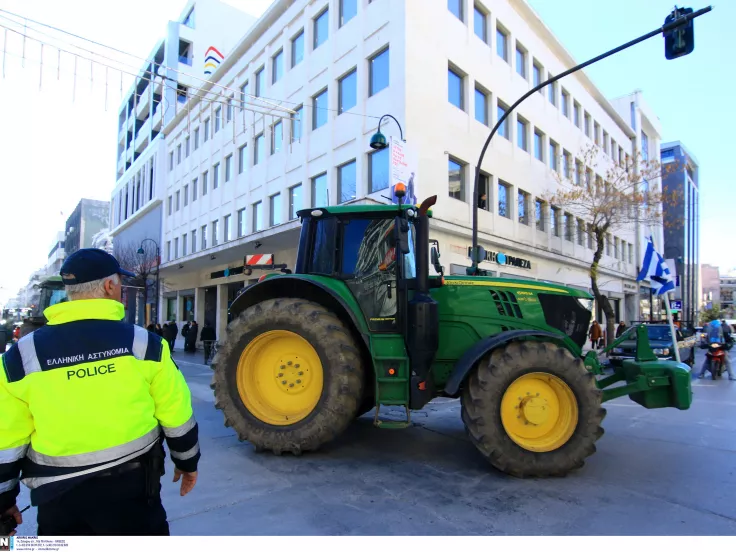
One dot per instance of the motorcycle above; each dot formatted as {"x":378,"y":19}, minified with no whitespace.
{"x":716,"y":354}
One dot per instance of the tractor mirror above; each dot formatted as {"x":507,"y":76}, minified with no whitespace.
{"x":402,"y":236}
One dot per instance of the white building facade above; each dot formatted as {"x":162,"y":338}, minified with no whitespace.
{"x":192,"y":49}
{"x":443,"y":70}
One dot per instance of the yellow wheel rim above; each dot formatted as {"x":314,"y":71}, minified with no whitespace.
{"x":539,"y":412}
{"x":280,"y":377}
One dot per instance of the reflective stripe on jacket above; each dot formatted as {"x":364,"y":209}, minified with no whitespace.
{"x":85,"y":393}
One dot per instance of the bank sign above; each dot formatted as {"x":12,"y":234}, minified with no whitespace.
{"x":504,"y":260}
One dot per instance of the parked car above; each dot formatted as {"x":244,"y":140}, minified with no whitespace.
{"x":660,"y":339}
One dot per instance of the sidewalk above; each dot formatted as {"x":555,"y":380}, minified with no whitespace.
{"x":192,"y":358}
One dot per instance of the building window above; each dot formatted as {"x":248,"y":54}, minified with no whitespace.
{"x":319,"y":190}
{"x":456,"y":179}
{"x":277,"y":66}
{"x":241,"y":223}
{"x":616,"y":248}
{"x":206,"y":129}
{"x":204,"y":183}
{"x":275,"y":209}
{"x":480,"y":23}
{"x":522,"y":202}
{"x":218,"y":119}
{"x":483,"y":191}
{"x":608,"y":244}
{"x":613,"y":152}
{"x":347,"y":181}
{"x":228,"y":168}
{"x":569,"y":227}
{"x":455,"y":89}
{"x":554,"y":213}
{"x":586,"y":120}
{"x":605,"y":142}
{"x":589,"y":180}
{"x":321,"y":28}
{"x":379,"y":72}
{"x":178,"y":154}
{"x":566,"y":165}
{"x":260,"y":82}
{"x":295,"y":200}
{"x":297,"y":49}
{"x":215,"y":232}
{"x":565,"y":100}
{"x":277,"y":137}
{"x":168,"y":250}
{"x":227,"y":228}
{"x":215,"y":176}
{"x":578,"y":173}
{"x":539,"y":145}
{"x":196,"y":139}
{"x":537,"y":74}
{"x":242,"y":158}
{"x":296,"y":124}
{"x":552,"y":93}
{"x":257,"y":216}
{"x":171,"y":203}
{"x":539,"y":214}
{"x":204,"y":237}
{"x":581,"y":232}
{"x":590,"y":236}
{"x":631,"y":254}
{"x":194,"y":241}
{"x":576,"y":113}
{"x":186,"y":147}
{"x":178,"y":194}
{"x":186,"y":195}
{"x":481,"y":106}
{"x":348,"y":10}
{"x":244,"y":95}
{"x":319,"y":110}
{"x":553,"y":153}
{"x":502,"y":43}
{"x":520,"y":60}
{"x":378,"y":168}
{"x":522,"y":133}
{"x":347,"y":91}
{"x":503,"y":130}
{"x":504,"y":209}
{"x":258,"y":151}
{"x":229,"y":110}
{"x":195,"y":185}
{"x":597,"y":134}
{"x":456,"y":8}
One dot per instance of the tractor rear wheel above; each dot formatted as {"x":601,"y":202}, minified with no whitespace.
{"x":533,"y":410}
{"x":289,"y":376}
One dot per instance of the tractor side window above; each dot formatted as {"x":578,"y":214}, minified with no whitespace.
{"x":410,"y":259}
{"x":352,"y":239}
{"x":323,"y":248}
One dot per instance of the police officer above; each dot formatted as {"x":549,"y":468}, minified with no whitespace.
{"x":84,"y":404}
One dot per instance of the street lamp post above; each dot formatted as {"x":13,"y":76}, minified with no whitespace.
{"x":378,"y":140}
{"x":141,"y":251}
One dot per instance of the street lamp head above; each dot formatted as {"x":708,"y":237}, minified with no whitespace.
{"x":140,"y":251}
{"x":378,"y":141}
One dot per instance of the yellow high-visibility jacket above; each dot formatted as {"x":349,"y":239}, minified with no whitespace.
{"x":85,"y":393}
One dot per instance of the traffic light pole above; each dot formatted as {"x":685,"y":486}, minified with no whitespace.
{"x":682,"y":20}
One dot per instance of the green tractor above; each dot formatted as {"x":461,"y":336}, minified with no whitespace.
{"x":50,"y":292}
{"x":361,"y":324}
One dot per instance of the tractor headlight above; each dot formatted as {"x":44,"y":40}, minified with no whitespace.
{"x":618,"y":350}
{"x":661,"y":351}
{"x":587,"y":304}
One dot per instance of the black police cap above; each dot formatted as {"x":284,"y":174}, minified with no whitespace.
{"x":87,"y":265}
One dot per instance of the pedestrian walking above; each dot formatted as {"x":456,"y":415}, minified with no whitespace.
{"x":208,"y":339}
{"x":595,"y":333}
{"x":620,"y":329}
{"x":84,"y":404}
{"x":170,"y":331}
{"x":190,"y":342}
{"x":159,"y":330}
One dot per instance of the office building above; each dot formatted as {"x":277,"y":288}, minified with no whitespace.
{"x":89,"y":217}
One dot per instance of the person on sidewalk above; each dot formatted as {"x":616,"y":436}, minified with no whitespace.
{"x":170,"y":331}
{"x":208,"y":339}
{"x":84,"y":404}
{"x":595,"y":333}
{"x":190,"y":342}
{"x":621,"y":329}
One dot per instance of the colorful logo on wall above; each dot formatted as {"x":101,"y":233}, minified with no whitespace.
{"x":212,"y":60}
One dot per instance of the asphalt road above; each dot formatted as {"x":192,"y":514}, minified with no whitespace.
{"x":656,"y":472}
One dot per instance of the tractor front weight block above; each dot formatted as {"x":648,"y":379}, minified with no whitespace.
{"x":650,"y":383}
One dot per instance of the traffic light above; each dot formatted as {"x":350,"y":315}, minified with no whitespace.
{"x":679,"y":41}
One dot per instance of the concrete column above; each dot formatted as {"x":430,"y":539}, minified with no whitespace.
{"x":199,"y":309}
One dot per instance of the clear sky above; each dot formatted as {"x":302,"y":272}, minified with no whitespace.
{"x":54,"y":151}
{"x":693,"y":95}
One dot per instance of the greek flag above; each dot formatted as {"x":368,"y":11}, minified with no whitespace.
{"x":654,"y":268}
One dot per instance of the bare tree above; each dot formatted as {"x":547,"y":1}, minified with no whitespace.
{"x":625,"y":195}
{"x":144,"y":266}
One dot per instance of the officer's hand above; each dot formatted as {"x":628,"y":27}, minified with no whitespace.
{"x":15,"y":513}
{"x":187,"y":482}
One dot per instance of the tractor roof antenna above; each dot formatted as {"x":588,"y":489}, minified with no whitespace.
{"x":679,"y":19}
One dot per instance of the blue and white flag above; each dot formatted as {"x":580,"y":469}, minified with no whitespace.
{"x":655,"y":269}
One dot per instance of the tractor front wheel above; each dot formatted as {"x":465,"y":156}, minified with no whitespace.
{"x":289,"y":376}
{"x":533,"y":410}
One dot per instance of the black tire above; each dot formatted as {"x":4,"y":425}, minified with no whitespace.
{"x":343,"y":375}
{"x":481,"y":409}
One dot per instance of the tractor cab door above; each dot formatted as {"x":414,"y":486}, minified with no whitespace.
{"x":371,"y":267}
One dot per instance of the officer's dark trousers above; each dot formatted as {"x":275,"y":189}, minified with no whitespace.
{"x":109,"y":505}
